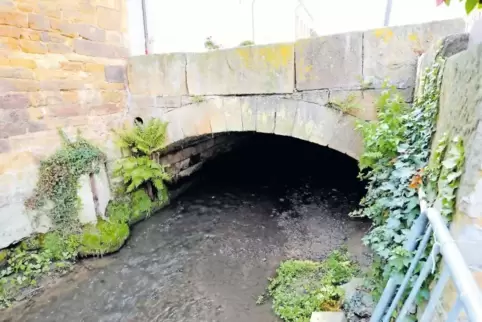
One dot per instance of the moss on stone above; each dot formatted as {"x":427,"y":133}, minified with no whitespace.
{"x":32,"y":243}
{"x":103,"y":238}
{"x":3,"y":257}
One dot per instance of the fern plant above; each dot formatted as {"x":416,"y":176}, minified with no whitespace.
{"x":142,"y":140}
{"x":137,"y":168}
{"x":136,"y":171}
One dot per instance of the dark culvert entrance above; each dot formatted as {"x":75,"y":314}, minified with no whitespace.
{"x":207,"y":257}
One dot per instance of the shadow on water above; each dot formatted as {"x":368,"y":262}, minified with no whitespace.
{"x":208,"y":255}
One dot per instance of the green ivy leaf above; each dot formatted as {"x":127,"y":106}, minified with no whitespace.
{"x":470,"y":5}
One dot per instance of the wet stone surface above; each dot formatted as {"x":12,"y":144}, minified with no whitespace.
{"x":207,"y":257}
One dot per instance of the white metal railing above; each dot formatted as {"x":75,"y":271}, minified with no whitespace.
{"x":469,"y":299}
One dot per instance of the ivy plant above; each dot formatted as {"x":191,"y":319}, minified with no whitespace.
{"x":56,"y":192}
{"x":470,"y":5}
{"x":396,"y":150}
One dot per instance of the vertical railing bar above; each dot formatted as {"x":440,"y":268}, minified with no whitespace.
{"x":413,"y":264}
{"x":455,"y":311}
{"x":434,"y":296}
{"x":418,"y":284}
{"x":467,"y":288}
{"x":411,"y":243}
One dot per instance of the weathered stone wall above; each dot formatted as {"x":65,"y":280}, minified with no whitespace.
{"x":287,"y":89}
{"x":187,"y":157}
{"x":461,"y":115}
{"x":61,"y":65}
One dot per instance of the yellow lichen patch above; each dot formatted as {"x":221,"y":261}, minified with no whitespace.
{"x":413,"y":37}
{"x":275,"y":56}
{"x":385,"y":33}
{"x":303,"y":70}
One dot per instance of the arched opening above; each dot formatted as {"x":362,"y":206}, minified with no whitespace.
{"x":258,"y":200}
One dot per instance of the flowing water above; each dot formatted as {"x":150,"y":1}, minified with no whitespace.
{"x":207,"y":256}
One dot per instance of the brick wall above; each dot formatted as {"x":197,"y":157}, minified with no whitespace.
{"x":61,"y":65}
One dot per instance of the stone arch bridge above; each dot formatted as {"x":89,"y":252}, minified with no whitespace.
{"x":313,"y":90}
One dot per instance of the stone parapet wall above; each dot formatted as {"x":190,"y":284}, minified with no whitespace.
{"x":350,"y":61}
{"x":62,"y":65}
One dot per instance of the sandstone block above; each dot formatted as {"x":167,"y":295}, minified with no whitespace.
{"x":19,"y":85}
{"x":109,"y":18}
{"x":105,"y":109}
{"x":16,"y":19}
{"x":9,"y":31}
{"x":33,"y":47}
{"x":102,"y":193}
{"x":169,"y":101}
{"x":243,"y":70}
{"x":87,"y":213}
{"x":11,"y":129}
{"x":72,"y":66}
{"x":319,"y":97}
{"x":9,"y":44}
{"x":28,"y":6}
{"x":115,"y":73}
{"x":286,"y":112}
{"x":59,"y":48}
{"x":266,"y":114}
{"x":5,"y":146}
{"x":14,"y":101}
{"x":30,"y":34}
{"x":94,"y":68}
{"x":16,"y":72}
{"x":249,"y":112}
{"x":38,"y":22}
{"x":113,"y":96}
{"x":329,"y":61}
{"x":89,"y":32}
{"x":65,"y":110}
{"x":89,"y":48}
{"x":18,"y":62}
{"x":63,"y":27}
{"x":391,"y":53}
{"x":6,"y":4}
{"x":114,"y":37}
{"x":163,"y":75}
{"x":232,"y":113}
{"x":15,"y":224}
{"x":213,"y":109}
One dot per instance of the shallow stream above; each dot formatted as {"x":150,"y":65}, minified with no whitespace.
{"x":207,"y":256}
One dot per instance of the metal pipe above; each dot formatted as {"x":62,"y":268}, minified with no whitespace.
{"x":146,"y":33}
{"x":388,"y":12}
{"x":462,"y":277}
{"x":427,"y":267}
{"x":455,"y":311}
{"x":416,"y":231}
{"x":434,"y":297}
{"x":409,"y":274}
{"x":252,"y":20}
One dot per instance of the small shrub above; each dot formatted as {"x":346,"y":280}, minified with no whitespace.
{"x":246,"y":43}
{"x":209,"y":44}
{"x":302,"y":287}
